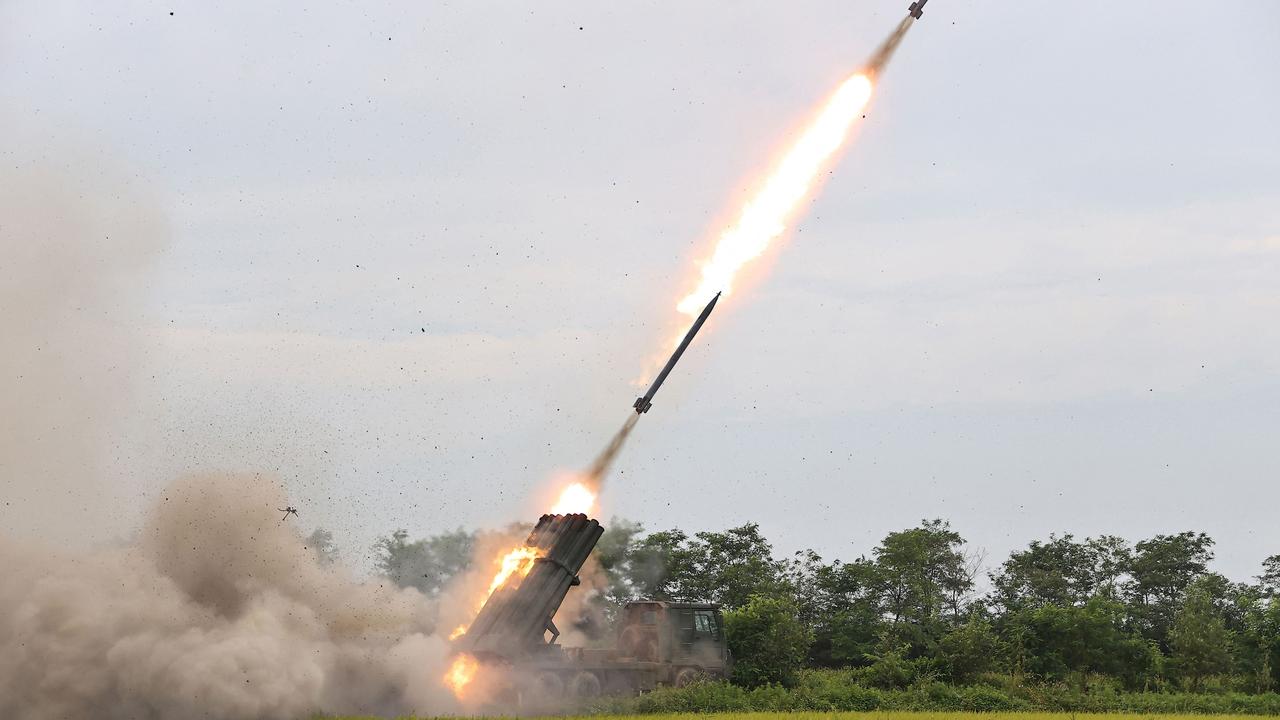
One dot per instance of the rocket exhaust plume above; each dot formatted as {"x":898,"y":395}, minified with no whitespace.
{"x":877,"y":62}
{"x":764,"y":218}
{"x":601,"y":466}
{"x":768,"y":213}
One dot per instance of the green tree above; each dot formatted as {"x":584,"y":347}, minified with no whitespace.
{"x":722,"y":567}
{"x":425,"y":564}
{"x":657,"y":563}
{"x":1057,"y":642}
{"x":1256,"y":646}
{"x":615,"y":553}
{"x":1199,"y":640}
{"x":768,"y":641}
{"x":1269,"y":580}
{"x":925,"y":579}
{"x":970,"y":650}
{"x":1161,"y":570}
{"x":1060,"y":572}
{"x":847,"y":616}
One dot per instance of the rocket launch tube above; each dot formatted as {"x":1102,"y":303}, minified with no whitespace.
{"x":643,"y":404}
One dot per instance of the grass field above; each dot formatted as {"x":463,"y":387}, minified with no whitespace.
{"x":878,"y":715}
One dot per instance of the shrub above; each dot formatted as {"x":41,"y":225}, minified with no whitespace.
{"x":768,"y":641}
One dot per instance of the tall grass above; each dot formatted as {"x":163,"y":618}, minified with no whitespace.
{"x":826,"y":692}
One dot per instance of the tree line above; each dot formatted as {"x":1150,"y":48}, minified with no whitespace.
{"x":1151,"y":615}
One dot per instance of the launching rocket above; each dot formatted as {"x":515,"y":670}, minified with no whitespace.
{"x":645,"y":402}
{"x":916,"y":9}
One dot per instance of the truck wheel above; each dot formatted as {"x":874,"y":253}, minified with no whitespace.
{"x":541,"y":689}
{"x":585,"y":685}
{"x":688,"y":676}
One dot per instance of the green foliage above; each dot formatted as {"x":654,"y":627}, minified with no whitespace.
{"x":1055,"y":642}
{"x":970,"y":650}
{"x":657,"y":564}
{"x":1060,"y":572}
{"x":1269,"y":580}
{"x":889,"y":670}
{"x":834,"y":691}
{"x":1162,"y":569}
{"x":616,"y":555}
{"x":768,"y":641}
{"x":844,"y":604}
{"x":1075,"y":620}
{"x":726,"y":567}
{"x":924,"y":577}
{"x":425,"y":564}
{"x":1199,"y":639}
{"x":1257,"y":646}
{"x":851,"y":634}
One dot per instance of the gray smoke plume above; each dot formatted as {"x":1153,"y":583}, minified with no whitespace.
{"x":882,"y":55}
{"x":218,"y":610}
{"x":600,"y":466}
{"x":215,"y":608}
{"x":76,"y":248}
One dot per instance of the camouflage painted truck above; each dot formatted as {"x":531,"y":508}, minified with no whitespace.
{"x":657,"y":642}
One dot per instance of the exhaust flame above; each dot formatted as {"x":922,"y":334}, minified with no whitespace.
{"x":517,"y":562}
{"x":765,"y":217}
{"x":576,"y":498}
{"x":461,"y":673}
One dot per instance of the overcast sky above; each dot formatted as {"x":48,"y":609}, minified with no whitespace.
{"x":417,"y":255}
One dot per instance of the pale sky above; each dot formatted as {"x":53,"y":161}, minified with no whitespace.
{"x":418,"y":254}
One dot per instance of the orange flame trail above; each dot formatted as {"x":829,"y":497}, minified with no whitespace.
{"x":766,"y":216}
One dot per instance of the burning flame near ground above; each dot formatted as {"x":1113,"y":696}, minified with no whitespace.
{"x":516,"y":563}
{"x":461,"y":673}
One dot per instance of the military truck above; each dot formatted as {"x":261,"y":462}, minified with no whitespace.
{"x":658,"y":642}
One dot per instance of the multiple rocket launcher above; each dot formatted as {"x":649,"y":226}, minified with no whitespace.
{"x":515,"y":619}
{"x":520,"y":616}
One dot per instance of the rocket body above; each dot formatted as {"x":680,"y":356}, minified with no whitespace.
{"x":644,"y":402}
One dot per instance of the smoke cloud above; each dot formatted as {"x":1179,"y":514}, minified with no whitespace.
{"x":219,"y":609}
{"x":76,"y":251}
{"x":599,"y":468}
{"x":215,"y":607}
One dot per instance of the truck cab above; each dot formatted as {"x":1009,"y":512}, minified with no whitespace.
{"x":685,"y":639}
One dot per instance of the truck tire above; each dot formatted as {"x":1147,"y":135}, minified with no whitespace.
{"x":541,"y":689}
{"x":689,"y":675}
{"x":585,"y":685}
